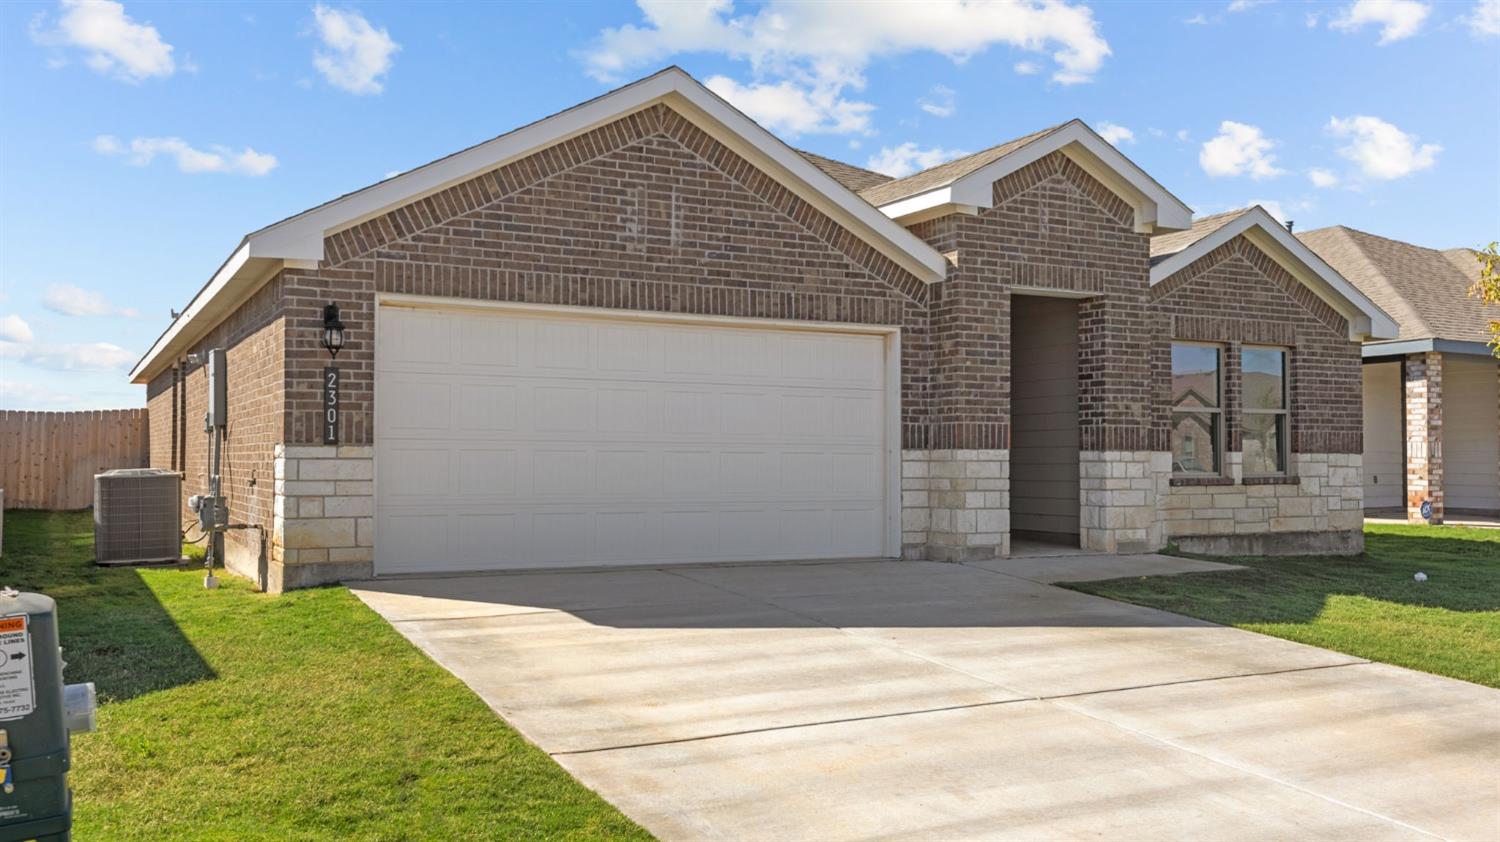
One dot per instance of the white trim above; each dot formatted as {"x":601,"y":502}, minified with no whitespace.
{"x":891,"y":534}
{"x":436,"y":302}
{"x":1365,"y":319}
{"x":1050,"y":292}
{"x":298,"y":240}
{"x":1155,"y":208}
{"x":235,"y":267}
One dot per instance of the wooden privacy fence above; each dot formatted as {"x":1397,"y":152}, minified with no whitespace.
{"x":48,"y":459}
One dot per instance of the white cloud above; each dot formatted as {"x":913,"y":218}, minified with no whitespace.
{"x":1196,"y":20}
{"x":13,"y":328}
{"x":357,"y":55}
{"x":1282,"y":211}
{"x":1321,"y":177}
{"x":81,"y":356}
{"x":1484,"y":21}
{"x":1028,"y":68}
{"x":1239,"y":149}
{"x":17,"y":395}
{"x":70,"y":300}
{"x":941,"y":101}
{"x":221,"y":159}
{"x":826,"y":39}
{"x":1397,"y":19}
{"x":1272,"y":207}
{"x":1381,"y":150}
{"x":114,"y":44}
{"x":1182,"y":136}
{"x":819,"y":51}
{"x":794,"y":110}
{"x":1246,"y":5}
{"x":908,"y":158}
{"x":1115,"y":134}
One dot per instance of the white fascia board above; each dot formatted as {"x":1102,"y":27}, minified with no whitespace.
{"x":1156,"y":209}
{"x":173,"y":336}
{"x":1365,"y":319}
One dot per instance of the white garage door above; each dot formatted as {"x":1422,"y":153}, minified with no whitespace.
{"x":1384,"y":462}
{"x":510,"y":439}
{"x":1471,"y":445}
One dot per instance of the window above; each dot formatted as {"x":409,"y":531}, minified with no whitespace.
{"x":1263,"y":372}
{"x":1197,"y":418}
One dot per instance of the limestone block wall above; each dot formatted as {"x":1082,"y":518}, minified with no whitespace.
{"x":324,"y":515}
{"x":1318,"y":508}
{"x":1119,"y":495}
{"x":955,"y":504}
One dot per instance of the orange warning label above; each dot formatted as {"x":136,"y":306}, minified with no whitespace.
{"x":12,"y":624}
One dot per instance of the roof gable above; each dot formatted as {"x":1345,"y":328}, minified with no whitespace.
{"x":1178,"y":251}
{"x":966,"y":184}
{"x":299,"y":241}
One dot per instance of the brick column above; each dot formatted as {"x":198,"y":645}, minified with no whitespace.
{"x":1424,"y":434}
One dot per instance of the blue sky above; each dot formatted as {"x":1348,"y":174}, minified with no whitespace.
{"x":140,"y":141}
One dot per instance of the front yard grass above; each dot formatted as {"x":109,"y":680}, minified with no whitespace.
{"x":1369,"y":607}
{"x":231,"y":714}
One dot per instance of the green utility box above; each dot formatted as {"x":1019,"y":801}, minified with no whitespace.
{"x":36,"y":716}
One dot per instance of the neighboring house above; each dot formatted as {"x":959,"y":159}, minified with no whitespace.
{"x":644,"y":330}
{"x":1432,"y":394}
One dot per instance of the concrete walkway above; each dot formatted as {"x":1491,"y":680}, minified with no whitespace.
{"x":902,"y":700}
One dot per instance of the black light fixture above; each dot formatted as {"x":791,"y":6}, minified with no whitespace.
{"x":333,"y":330}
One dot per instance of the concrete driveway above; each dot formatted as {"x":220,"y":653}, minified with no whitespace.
{"x":901,"y":700}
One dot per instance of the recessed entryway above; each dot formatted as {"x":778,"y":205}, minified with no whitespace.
{"x":1044,"y":419}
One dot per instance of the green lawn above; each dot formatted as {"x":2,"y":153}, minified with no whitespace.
{"x":1366,"y":606}
{"x":230,"y":714}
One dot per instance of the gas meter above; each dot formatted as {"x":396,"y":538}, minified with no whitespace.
{"x":37,"y":713}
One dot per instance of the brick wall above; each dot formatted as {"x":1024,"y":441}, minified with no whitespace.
{"x":1423,"y":378}
{"x":1053,"y":226}
{"x":253,"y":339}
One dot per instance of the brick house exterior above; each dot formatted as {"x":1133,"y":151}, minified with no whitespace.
{"x":1432,"y":439}
{"x":667,"y":202}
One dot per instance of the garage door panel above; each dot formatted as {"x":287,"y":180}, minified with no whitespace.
{"x":482,"y":344}
{"x":560,"y":473}
{"x":481,"y":539}
{"x":620,"y":472}
{"x":561,"y":345}
{"x":487,"y":473}
{"x":415,"y":472}
{"x":416,"y":405}
{"x":486,"y":407}
{"x":548,"y":441}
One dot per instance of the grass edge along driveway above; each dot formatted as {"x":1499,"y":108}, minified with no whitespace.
{"x":231,"y":714}
{"x":1370,"y":606}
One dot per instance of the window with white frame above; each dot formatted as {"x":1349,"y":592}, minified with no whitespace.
{"x":1197,"y":409}
{"x":1263,"y":376}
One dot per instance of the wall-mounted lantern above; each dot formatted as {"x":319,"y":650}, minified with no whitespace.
{"x":333,"y":330}
{"x":333,"y":340}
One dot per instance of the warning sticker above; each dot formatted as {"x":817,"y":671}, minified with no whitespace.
{"x":17,"y":696}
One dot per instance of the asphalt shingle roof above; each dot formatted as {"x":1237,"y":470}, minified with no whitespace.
{"x":1425,"y":290}
{"x":852,"y":177}
{"x":944,"y":174}
{"x":1164,"y":246}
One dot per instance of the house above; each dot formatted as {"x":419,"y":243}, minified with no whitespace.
{"x":1432,"y":412}
{"x":644,"y":330}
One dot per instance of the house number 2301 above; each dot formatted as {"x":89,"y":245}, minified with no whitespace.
{"x":330,"y":405}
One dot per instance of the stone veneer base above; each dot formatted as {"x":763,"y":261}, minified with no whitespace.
{"x":1342,"y":542}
